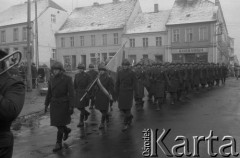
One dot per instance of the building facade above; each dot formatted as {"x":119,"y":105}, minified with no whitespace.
{"x":197,"y":32}
{"x":13,"y":29}
{"x":147,"y":37}
{"x":93,"y":34}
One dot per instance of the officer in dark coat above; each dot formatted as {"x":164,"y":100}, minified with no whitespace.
{"x":81,"y":83}
{"x":93,"y":75}
{"x":125,"y":86}
{"x":60,"y":97}
{"x":104,"y":93}
{"x":12,"y":95}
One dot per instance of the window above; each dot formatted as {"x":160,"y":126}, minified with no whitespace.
{"x":3,"y":36}
{"x":104,"y":39}
{"x":132,"y":42}
{"x":132,"y":58}
{"x":145,"y":42}
{"x":145,"y":56}
{"x":15,"y":34}
{"x":104,"y":57}
{"x":62,"y":42}
{"x":93,"y":59}
{"x":115,"y":38}
{"x":93,"y":40}
{"x":24,"y":34}
{"x":176,"y":35}
{"x":189,"y":35}
{"x":111,"y":55}
{"x":158,"y":41}
{"x":72,"y":41}
{"x":82,"y":40}
{"x":203,"y":35}
{"x":53,"y":18}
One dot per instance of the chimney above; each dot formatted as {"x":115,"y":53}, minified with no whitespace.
{"x":156,"y":8}
{"x":95,"y":4}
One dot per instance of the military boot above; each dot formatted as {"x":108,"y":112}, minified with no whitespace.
{"x":66,"y":133}
{"x":81,"y":123}
{"x":102,"y":124}
{"x":57,"y":147}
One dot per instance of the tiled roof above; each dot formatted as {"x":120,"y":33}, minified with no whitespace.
{"x":99,"y":17}
{"x":184,"y":12}
{"x":18,"y":13}
{"x":149,"y":22}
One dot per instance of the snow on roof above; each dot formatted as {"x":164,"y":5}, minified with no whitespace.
{"x":149,"y":22}
{"x":184,"y":12}
{"x":18,"y":13}
{"x":99,"y":17}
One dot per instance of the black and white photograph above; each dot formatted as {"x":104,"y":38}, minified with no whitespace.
{"x":119,"y":78}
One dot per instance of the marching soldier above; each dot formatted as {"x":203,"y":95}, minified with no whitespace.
{"x":12,"y":95}
{"x":174,"y":78}
{"x":104,"y":94}
{"x":224,"y":73}
{"x":93,"y":75}
{"x":60,"y":97}
{"x":139,"y":92}
{"x":161,"y":81}
{"x":81,"y":82}
{"x":196,"y":76}
{"x":125,"y":86}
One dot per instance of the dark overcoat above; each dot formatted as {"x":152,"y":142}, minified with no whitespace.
{"x":161,"y":81}
{"x":196,"y":76}
{"x":81,"y":83}
{"x":140,"y":78}
{"x":125,"y":86}
{"x":102,"y":100}
{"x":60,"y":97}
{"x":203,"y":76}
{"x":12,"y":95}
{"x":175,"y":79}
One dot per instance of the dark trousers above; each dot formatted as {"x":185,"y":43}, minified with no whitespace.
{"x":84,"y":112}
{"x":6,"y":152}
{"x":6,"y":144}
{"x":104,"y":116}
{"x":127,"y":116}
{"x":60,"y":132}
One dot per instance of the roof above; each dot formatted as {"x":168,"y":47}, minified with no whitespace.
{"x":18,"y":13}
{"x":184,"y":12}
{"x":149,"y":22}
{"x":99,"y":17}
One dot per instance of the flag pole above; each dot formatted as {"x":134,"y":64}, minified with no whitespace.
{"x":98,"y":75}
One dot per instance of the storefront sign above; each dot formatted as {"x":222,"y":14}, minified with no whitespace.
{"x":190,"y":50}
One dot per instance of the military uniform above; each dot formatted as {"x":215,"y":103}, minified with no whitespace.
{"x":125,"y":86}
{"x":93,"y":75}
{"x":60,"y":97}
{"x":139,"y":91}
{"x":102,"y":100}
{"x":81,"y":83}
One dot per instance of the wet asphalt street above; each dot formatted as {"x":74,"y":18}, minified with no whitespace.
{"x":216,"y":109}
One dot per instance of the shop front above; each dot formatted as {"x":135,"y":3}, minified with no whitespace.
{"x":191,"y":55}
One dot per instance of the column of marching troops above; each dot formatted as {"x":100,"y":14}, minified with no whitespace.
{"x":177,"y":79}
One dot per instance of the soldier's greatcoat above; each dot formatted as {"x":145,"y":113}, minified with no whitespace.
{"x":161,"y":81}
{"x":60,"y":96}
{"x":81,"y":82}
{"x":140,"y":78}
{"x":102,"y":100}
{"x":125,"y":86}
{"x":175,"y":79}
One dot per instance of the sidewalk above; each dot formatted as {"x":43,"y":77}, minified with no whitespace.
{"x":34,"y":102}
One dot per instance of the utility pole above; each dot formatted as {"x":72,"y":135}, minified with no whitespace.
{"x":29,"y":72}
{"x":36,"y":36}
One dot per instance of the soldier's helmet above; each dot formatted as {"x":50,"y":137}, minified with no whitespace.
{"x":81,"y":66}
{"x":102,"y":67}
{"x":57,"y":65}
{"x":91,"y":66}
{"x":125,"y":62}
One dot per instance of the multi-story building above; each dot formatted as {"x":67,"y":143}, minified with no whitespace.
{"x":197,"y":32}
{"x":147,"y":36}
{"x":13,"y":28}
{"x":94,"y":33}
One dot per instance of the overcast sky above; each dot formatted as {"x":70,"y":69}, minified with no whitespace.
{"x":231,"y":10}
